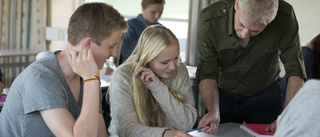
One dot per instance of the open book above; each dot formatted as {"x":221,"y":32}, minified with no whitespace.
{"x":256,"y":130}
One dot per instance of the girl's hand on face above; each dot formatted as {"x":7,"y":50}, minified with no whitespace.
{"x":83,"y":63}
{"x":145,"y":75}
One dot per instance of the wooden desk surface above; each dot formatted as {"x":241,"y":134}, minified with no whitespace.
{"x":224,"y":130}
{"x":17,"y":53}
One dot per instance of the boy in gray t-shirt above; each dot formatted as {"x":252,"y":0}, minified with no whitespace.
{"x":59,"y":95}
{"x":40,"y":86}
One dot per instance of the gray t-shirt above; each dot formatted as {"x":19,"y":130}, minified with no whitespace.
{"x":40,"y":86}
{"x":301,"y":117}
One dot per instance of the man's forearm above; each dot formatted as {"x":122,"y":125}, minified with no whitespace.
{"x":209,"y":93}
{"x":294,"y":84}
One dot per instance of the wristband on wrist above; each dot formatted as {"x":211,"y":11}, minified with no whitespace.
{"x":164,"y":132}
{"x":91,"y":79}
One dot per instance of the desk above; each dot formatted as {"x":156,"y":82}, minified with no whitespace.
{"x":224,"y":130}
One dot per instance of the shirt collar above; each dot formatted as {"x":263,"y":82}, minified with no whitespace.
{"x":140,"y":19}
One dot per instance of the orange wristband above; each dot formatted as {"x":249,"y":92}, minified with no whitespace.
{"x":91,"y":79}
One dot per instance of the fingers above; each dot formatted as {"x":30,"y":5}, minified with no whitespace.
{"x":83,"y":63}
{"x":212,"y":129}
{"x":144,"y":74}
{"x":203,"y":122}
{"x":209,"y":124}
{"x":108,"y":71}
{"x":73,"y":56}
{"x":272,"y":127}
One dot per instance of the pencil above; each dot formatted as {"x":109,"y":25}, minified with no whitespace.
{"x":193,"y":130}
{"x":107,"y":63}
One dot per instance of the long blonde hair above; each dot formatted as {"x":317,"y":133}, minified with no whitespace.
{"x":152,"y":41}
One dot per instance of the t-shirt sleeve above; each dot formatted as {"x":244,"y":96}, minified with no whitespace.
{"x":43,"y":91}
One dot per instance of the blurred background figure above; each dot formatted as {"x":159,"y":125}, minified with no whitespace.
{"x":311,"y":55}
{"x":151,"y":12}
{"x":1,"y":82}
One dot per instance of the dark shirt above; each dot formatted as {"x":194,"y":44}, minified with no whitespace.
{"x":310,"y":63}
{"x":247,"y":71}
{"x":1,"y":79}
{"x":131,"y":37}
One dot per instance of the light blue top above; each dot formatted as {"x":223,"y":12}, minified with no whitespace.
{"x":301,"y":117}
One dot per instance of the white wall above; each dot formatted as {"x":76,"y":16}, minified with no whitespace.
{"x":60,"y":12}
{"x":307,"y":13}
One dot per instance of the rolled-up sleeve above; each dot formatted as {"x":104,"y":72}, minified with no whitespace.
{"x":208,"y":66}
{"x":291,"y":52}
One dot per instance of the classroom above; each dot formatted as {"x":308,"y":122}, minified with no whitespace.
{"x":237,"y":61}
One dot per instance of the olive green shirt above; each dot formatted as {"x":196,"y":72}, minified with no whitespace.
{"x":247,"y":71}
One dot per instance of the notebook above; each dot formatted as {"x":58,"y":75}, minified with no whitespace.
{"x":257,"y":130}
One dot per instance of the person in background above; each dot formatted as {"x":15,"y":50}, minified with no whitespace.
{"x":151,"y":12}
{"x":239,"y":44}
{"x":151,"y":92}
{"x":311,"y":55}
{"x":59,"y":95}
{"x":1,"y":82}
{"x":300,"y":117}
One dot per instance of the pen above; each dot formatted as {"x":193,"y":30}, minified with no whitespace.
{"x":107,"y":63}
{"x":193,"y":130}
{"x":150,"y":79}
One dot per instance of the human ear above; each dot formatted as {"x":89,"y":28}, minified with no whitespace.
{"x":235,"y":4}
{"x":88,"y":43}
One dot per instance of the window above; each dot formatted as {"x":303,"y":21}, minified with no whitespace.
{"x":174,"y":16}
